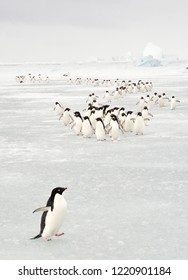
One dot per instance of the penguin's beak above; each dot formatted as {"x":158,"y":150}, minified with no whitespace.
{"x":65,"y":189}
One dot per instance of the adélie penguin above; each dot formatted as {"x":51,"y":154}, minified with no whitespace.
{"x":53,"y":214}
{"x":87,"y":129}
{"x":100,"y":130}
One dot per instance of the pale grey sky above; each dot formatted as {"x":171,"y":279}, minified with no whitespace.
{"x":62,"y":30}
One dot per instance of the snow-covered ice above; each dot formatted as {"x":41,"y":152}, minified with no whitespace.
{"x":126,"y":200}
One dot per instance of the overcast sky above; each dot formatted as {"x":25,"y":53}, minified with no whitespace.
{"x":63,"y":30}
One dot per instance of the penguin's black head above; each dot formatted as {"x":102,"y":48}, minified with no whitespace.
{"x":98,"y":119}
{"x":114,"y":118}
{"x":58,"y":190}
{"x":139,"y":114}
{"x":145,"y":107}
{"x":86,"y":118}
{"x":129,"y":112}
{"x":67,"y":109}
{"x":122,"y":109}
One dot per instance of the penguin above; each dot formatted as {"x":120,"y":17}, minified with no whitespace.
{"x":165,"y":98}
{"x":77,"y":125}
{"x":129,"y":88}
{"x":160,"y":101}
{"x":58,"y":109}
{"x":148,"y":100}
{"x":114,"y":128}
{"x":135,"y":88}
{"x":142,"y":87}
{"x":139,"y":124}
{"x":128,"y":126}
{"x":90,"y":99}
{"x":88,"y":110}
{"x":154,"y":97}
{"x":53,"y":214}
{"x":141,"y":103}
{"x":173,"y":103}
{"x":100,"y":130}
{"x":87,"y":129}
{"x":107,"y":117}
{"x":116,"y":93}
{"x":92,"y":118}
{"x":66,"y":117}
{"x":107,"y":96}
{"x":146,"y":114}
{"x":122,"y":119}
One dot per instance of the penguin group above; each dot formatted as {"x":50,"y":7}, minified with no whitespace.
{"x":102,"y":120}
{"x":30,"y":78}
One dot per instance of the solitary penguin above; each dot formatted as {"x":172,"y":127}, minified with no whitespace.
{"x":53,"y":214}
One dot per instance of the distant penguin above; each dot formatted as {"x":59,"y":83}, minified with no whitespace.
{"x":53,"y":214}
{"x":90,"y":99}
{"x":116,"y":94}
{"x":87,"y":129}
{"x":107,"y":96}
{"x":100,"y":130}
{"x":66,"y":117}
{"x":58,"y":109}
{"x":77,"y":125}
{"x":139,"y":124}
{"x":173,"y":103}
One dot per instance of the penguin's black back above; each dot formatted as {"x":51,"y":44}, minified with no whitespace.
{"x":49,"y":203}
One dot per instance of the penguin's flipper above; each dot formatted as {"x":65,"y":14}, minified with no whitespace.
{"x":43,"y":209}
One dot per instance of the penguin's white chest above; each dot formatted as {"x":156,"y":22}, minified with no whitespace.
{"x":66,"y":118}
{"x":58,"y":110}
{"x":100,"y":132}
{"x":173,"y":104}
{"x":78,"y":125}
{"x":115,"y":131}
{"x":139,"y":125}
{"x":87,"y":129}
{"x":55,"y":217}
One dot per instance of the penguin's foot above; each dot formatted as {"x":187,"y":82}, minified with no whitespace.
{"x":59,"y":234}
{"x":47,"y":238}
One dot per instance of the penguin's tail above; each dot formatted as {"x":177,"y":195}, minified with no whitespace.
{"x":37,"y":236}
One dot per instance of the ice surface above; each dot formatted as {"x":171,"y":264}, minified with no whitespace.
{"x":126,"y":200}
